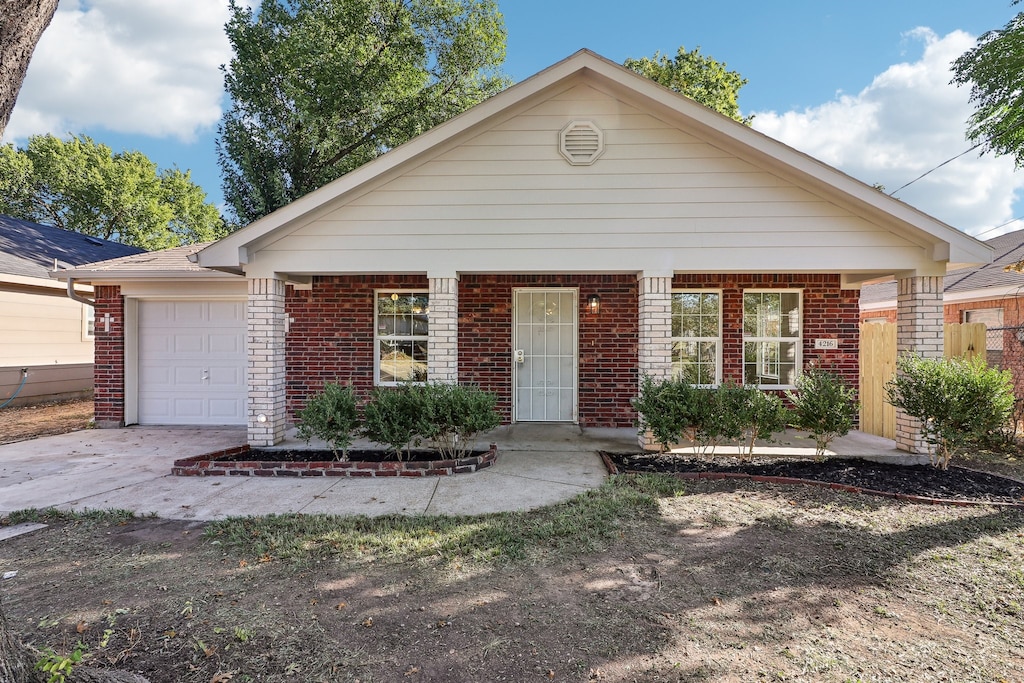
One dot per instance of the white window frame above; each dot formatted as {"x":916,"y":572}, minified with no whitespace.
{"x":717,"y":340}
{"x":761,"y":339}
{"x":88,"y":316}
{"x":377,"y":337}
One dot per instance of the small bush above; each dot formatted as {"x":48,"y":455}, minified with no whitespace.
{"x":392,"y":416}
{"x":958,"y":402}
{"x":332,"y":416}
{"x":764,"y":415}
{"x":824,"y":405}
{"x":669,"y":409}
{"x":451,"y":415}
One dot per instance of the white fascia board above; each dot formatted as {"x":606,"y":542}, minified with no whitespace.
{"x":114,"y":277}
{"x":26,"y":281}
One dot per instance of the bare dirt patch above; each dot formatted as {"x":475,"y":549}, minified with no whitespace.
{"x":714,"y":581}
{"x":28,"y":422}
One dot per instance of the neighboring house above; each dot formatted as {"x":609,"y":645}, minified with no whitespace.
{"x":554,"y":243}
{"x":46,"y":338}
{"x":985,"y":293}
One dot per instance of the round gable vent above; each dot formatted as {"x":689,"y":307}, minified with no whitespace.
{"x":581,"y":143}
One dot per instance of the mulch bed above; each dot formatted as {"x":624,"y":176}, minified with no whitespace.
{"x":921,"y":481}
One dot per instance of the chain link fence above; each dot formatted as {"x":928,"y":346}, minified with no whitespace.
{"x":1005,"y":350}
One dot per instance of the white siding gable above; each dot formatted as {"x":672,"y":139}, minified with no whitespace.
{"x":505,"y":199}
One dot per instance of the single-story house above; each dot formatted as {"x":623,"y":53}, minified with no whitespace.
{"x":552,"y":244}
{"x":46,"y":338}
{"x":985,"y":293}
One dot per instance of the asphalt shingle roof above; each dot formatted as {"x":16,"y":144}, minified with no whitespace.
{"x":29,"y":249}
{"x":1008,"y":248}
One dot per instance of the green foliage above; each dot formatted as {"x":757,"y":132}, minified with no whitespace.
{"x":448,"y":416}
{"x":320,"y":87}
{"x":80,"y":185}
{"x":764,"y":415}
{"x":331,"y":415}
{"x":59,"y":667}
{"x":451,"y":415}
{"x":958,"y":402}
{"x":392,"y":417}
{"x":995,"y":69}
{"x":668,"y":409}
{"x":824,"y":405}
{"x":674,"y":410}
{"x":697,"y":76}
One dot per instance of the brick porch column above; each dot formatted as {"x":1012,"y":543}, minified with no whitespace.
{"x":654,"y":348}
{"x":265,"y":345}
{"x":443,"y":330}
{"x":919,"y":328}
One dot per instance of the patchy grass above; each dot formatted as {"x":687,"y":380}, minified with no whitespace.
{"x":640,"y":580}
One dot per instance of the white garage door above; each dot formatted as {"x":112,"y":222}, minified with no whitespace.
{"x":192,"y":362}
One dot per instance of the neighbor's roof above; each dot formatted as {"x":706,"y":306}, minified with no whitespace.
{"x":1007,"y":249}
{"x":174,"y":260}
{"x":29,"y":249}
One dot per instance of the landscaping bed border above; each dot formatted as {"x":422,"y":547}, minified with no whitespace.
{"x":208,"y":465}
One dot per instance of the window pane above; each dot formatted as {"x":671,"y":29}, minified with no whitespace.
{"x":402,"y":317}
{"x":790,"y":309}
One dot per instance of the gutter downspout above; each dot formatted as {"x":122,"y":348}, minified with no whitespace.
{"x":74,"y":296}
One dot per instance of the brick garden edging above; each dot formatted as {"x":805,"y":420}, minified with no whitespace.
{"x":766,"y":479}
{"x":208,"y":465}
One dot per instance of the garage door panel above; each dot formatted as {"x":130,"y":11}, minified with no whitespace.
{"x":192,"y":362}
{"x":226,"y":343}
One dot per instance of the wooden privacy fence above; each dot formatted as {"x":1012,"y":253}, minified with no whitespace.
{"x":878,"y":364}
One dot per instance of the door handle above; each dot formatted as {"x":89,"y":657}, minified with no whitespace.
{"x":519,"y":355}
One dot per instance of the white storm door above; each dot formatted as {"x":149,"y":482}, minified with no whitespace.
{"x":544,"y":365}
{"x":192,"y":362}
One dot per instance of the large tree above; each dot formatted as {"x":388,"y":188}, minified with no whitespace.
{"x":995,"y":70}
{"x":78,"y":184}
{"x":320,"y":87}
{"x":697,"y":76}
{"x":22,"y":22}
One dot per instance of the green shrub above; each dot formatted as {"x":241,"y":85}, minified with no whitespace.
{"x":824,"y":405}
{"x":958,"y":402}
{"x":451,"y":415}
{"x":391,"y":417}
{"x":669,"y":409}
{"x":764,"y":415}
{"x":722,"y":416}
{"x":332,"y":416}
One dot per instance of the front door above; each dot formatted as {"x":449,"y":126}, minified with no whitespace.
{"x":544,"y":365}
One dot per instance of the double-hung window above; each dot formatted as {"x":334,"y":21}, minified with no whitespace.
{"x":697,"y":336}
{"x":401,"y":324}
{"x":771,"y":337}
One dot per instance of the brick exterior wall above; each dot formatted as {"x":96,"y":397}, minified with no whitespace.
{"x":607,"y":342}
{"x":829,"y":312}
{"x":331,"y":333}
{"x":108,"y":366}
{"x":889,"y":314}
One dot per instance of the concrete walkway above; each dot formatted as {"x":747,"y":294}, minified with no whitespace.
{"x":130,"y":469}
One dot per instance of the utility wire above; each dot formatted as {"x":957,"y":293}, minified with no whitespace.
{"x":932,"y":170}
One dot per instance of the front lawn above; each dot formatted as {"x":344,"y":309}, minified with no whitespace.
{"x":645,"y":579}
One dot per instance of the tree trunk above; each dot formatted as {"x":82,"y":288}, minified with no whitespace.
{"x":22,"y":22}
{"x":17,"y":664}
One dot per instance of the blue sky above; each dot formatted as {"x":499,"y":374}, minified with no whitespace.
{"x":861,"y":85}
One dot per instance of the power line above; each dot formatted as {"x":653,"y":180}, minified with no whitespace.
{"x":932,"y":170}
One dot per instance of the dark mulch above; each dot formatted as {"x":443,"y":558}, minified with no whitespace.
{"x":955,"y":483}
{"x":355,"y":455}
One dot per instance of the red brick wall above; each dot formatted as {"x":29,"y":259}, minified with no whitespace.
{"x":889,"y":314}
{"x":108,"y":364}
{"x":607,"y":342}
{"x":331,"y":336}
{"x":829,"y":312}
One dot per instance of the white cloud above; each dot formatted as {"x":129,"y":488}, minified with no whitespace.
{"x":909,"y":120}
{"x":129,"y":66}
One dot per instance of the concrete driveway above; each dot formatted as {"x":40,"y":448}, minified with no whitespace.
{"x":130,"y":469}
